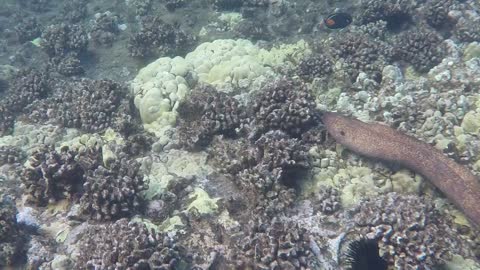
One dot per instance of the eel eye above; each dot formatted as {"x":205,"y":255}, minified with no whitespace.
{"x":342,"y":133}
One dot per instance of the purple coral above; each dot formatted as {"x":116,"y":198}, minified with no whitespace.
{"x":128,"y":245}
{"x":284,"y":105}
{"x":411,"y":232}
{"x":50,"y":175}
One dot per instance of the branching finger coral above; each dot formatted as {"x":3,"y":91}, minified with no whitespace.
{"x":410,"y":231}
{"x":113,"y":191}
{"x":128,"y":245}
{"x":283,"y":105}
{"x":50,"y":176}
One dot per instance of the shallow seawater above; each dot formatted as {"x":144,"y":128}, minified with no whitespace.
{"x":239,"y":134}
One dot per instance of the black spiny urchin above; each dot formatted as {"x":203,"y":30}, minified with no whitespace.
{"x":363,"y":254}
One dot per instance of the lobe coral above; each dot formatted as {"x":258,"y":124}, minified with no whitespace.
{"x":382,"y":142}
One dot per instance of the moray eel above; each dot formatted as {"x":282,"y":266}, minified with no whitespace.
{"x":382,"y":142}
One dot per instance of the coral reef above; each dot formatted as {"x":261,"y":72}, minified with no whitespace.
{"x":10,"y":155}
{"x":28,"y":30}
{"x":395,"y":12}
{"x":207,"y":112}
{"x":138,"y":144}
{"x":113,"y":191}
{"x":423,"y":48}
{"x":90,"y":105}
{"x":64,"y":44}
{"x":171,"y":5}
{"x":314,"y":66}
{"x":104,"y":29}
{"x":12,"y":239}
{"x":327,"y":200}
{"x":361,"y":53}
{"x":27,"y":87}
{"x":284,"y":105}
{"x":274,"y":244}
{"x":50,"y":175}
{"x":264,"y":169}
{"x":62,"y":39}
{"x":264,"y":162}
{"x":467,"y":29}
{"x":156,"y":36}
{"x":128,"y":245}
{"x":410,"y":231}
{"x":436,"y":12}
{"x":68,"y":65}
{"x":75,"y":11}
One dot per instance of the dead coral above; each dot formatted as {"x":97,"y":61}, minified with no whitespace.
{"x":206,"y":113}
{"x":128,"y":245}
{"x":283,"y":105}
{"x":50,"y":175}
{"x":410,"y":230}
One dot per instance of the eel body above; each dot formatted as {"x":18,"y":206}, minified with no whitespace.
{"x":379,"y":141}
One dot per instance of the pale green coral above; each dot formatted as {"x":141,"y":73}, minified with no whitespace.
{"x":202,"y":202}
{"x":28,"y":137}
{"x":404,"y":181}
{"x":171,"y":224}
{"x":231,"y":19}
{"x":95,"y":140}
{"x":360,"y":185}
{"x":471,"y":51}
{"x":471,"y":122}
{"x":160,"y":86}
{"x":227,"y":222}
{"x":178,"y":164}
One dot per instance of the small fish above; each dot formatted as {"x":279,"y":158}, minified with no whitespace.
{"x":338,"y":20}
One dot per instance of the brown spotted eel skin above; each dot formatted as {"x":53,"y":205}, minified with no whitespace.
{"x":382,"y":142}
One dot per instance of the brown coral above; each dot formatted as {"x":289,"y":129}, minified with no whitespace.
{"x":410,"y":231}
{"x":128,"y":245}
